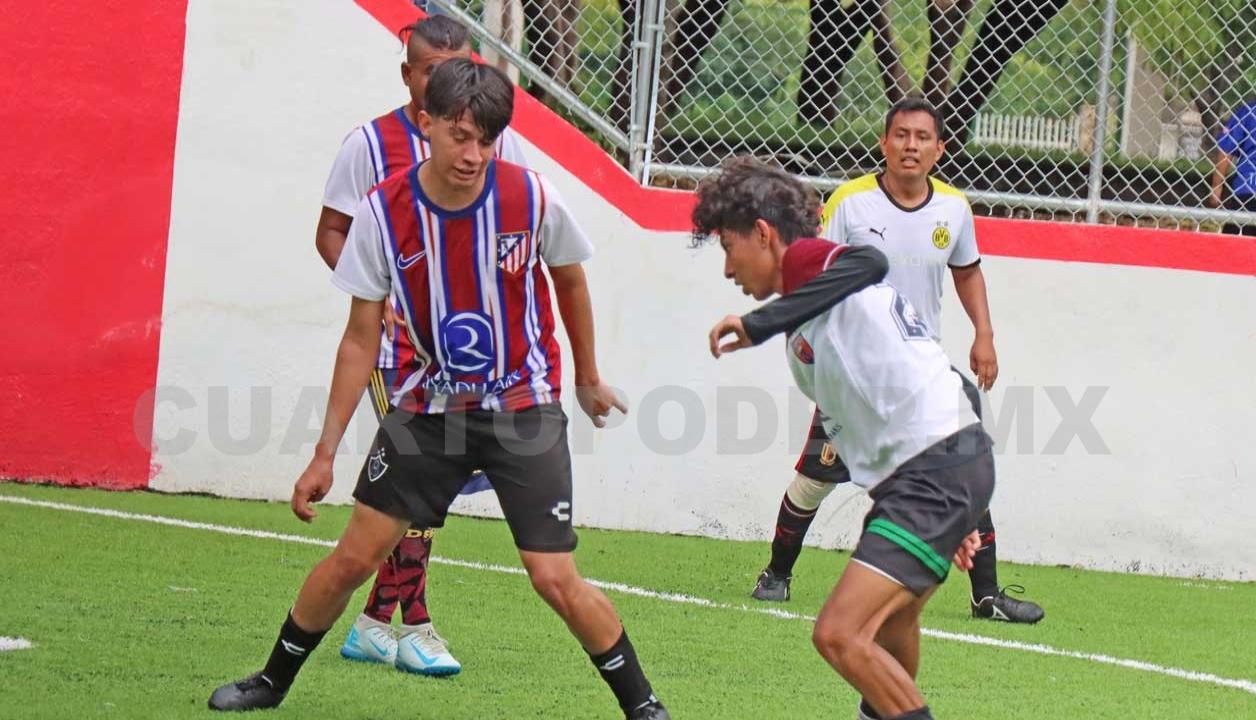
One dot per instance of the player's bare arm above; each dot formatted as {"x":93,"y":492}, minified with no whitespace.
{"x":329,"y":237}
{"x":354,"y":361}
{"x":970,"y":286}
{"x":571,"y":290}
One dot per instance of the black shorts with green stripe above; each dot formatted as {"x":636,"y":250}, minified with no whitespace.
{"x":922,"y":512}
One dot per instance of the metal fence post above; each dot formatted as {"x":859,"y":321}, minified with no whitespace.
{"x":644,"y":85}
{"x":654,"y":30}
{"x":1101,"y":112}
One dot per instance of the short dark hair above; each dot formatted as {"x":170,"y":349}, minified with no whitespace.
{"x":744,"y":190}
{"x":460,"y":85}
{"x":438,"y":32}
{"x":916,"y":103}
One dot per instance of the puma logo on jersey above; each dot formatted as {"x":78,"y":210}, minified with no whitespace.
{"x":879,"y":233}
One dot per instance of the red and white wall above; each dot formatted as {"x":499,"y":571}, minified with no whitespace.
{"x":167,"y":323}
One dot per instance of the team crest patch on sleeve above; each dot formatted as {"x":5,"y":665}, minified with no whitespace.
{"x":376,"y":466}
{"x":802,"y":349}
{"x":513,"y":250}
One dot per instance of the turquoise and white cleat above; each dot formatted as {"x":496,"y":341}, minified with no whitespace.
{"x":370,"y":641}
{"x":420,"y":650}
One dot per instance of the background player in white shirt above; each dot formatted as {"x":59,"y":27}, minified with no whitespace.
{"x":891,"y":402}
{"x":924,"y":227}
{"x":371,"y":153}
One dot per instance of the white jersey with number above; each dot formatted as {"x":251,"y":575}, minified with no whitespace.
{"x":883,"y":384}
{"x":919,"y":242}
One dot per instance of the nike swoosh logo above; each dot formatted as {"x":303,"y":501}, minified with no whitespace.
{"x":404,"y":262}
{"x":427,"y":659}
{"x":380,"y":650}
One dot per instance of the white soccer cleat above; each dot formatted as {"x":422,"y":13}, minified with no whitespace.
{"x":420,"y":650}
{"x":370,"y":641}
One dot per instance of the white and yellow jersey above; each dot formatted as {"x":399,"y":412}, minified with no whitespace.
{"x":919,"y":242}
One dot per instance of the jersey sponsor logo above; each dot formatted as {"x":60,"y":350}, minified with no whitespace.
{"x":560,"y":511}
{"x":512,"y":251}
{"x":404,"y":263}
{"x":441,"y":386}
{"x":468,"y":341}
{"x":909,"y":323}
{"x":376,"y":466}
{"x":941,"y":236}
{"x":802,"y":349}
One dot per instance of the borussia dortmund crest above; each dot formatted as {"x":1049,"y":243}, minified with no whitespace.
{"x":941,"y":237}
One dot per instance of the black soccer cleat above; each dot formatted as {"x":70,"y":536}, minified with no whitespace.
{"x":771,"y":587}
{"x":254,"y":692}
{"x":652,"y":710}
{"x":1005,"y":608}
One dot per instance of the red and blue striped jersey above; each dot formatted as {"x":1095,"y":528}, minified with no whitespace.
{"x":372,"y":153}
{"x":472,"y":288}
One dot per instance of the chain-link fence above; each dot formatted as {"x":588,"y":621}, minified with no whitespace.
{"x":1097,"y":110}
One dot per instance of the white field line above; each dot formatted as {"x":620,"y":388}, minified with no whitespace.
{"x":1247,"y":686}
{"x":12,"y":643}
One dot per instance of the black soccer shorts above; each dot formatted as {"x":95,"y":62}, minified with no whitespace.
{"x":922,"y":512}
{"x":418,"y":463}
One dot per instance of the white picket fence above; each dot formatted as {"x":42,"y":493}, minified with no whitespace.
{"x":1028,"y":131}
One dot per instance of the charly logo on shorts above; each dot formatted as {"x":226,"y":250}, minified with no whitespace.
{"x":560,"y":511}
{"x":468,"y":341}
{"x":376,"y":466}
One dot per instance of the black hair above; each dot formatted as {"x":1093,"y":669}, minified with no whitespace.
{"x":460,"y":85}
{"x":438,"y":32}
{"x":916,"y":103}
{"x":744,"y":190}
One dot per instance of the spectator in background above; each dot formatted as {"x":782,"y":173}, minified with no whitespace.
{"x":1236,"y":147}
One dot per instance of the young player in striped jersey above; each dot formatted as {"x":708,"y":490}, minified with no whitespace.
{"x":371,"y":153}
{"x":461,"y":239}
{"x":891,"y":402}
{"x":924,"y":226}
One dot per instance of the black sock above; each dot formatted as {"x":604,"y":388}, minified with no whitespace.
{"x":985,"y":573}
{"x":291,"y":649}
{"x":791,"y":527}
{"x":622,"y":672}
{"x":918,"y":714}
{"x":868,"y":711}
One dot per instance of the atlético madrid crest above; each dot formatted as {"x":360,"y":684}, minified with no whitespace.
{"x":513,"y":250}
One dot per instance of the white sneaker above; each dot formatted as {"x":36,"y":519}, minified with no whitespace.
{"x":370,"y":641}
{"x":420,"y":650}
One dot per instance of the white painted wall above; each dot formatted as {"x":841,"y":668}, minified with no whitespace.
{"x":271,"y":87}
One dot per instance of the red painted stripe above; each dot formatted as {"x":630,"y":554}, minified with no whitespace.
{"x":668,"y":210}
{"x":89,"y":118}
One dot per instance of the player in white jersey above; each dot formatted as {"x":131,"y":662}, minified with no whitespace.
{"x":371,"y":153}
{"x":891,"y":402}
{"x":924,"y":227}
